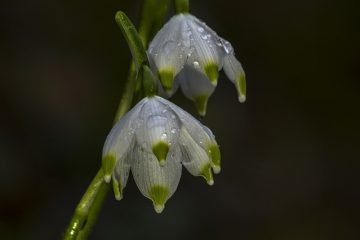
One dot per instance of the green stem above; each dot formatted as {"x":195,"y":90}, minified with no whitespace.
{"x":87,"y":210}
{"x":153,"y":16}
{"x":181,"y":6}
{"x":148,"y":81}
{"x":128,"y":94}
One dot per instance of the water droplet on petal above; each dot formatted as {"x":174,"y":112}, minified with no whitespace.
{"x":227,"y":47}
{"x":173,"y":131}
{"x":200,"y":29}
{"x":169,"y":47}
{"x":196,"y":64}
{"x":163,"y":136}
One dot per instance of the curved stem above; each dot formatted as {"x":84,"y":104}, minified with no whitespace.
{"x":181,"y":6}
{"x":128,"y":94}
{"x":87,"y":210}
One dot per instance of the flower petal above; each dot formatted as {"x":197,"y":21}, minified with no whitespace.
{"x":120,"y":176}
{"x":196,"y":87}
{"x":206,"y":55}
{"x":155,"y":182}
{"x":168,"y":50}
{"x":201,"y":134}
{"x":119,"y":140}
{"x":194,"y":158}
{"x":159,"y":129}
{"x":235,"y":72}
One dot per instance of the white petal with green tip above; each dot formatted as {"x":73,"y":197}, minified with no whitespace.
{"x":159,"y":127}
{"x":196,"y":87}
{"x":155,"y":182}
{"x":119,"y":140}
{"x":194,"y":158}
{"x":235,"y":72}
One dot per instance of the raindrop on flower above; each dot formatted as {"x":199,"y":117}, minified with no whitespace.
{"x":196,"y":64}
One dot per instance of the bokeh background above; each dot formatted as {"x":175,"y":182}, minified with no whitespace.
{"x":290,"y":153}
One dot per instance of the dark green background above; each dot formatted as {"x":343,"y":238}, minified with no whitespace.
{"x":290,"y":153}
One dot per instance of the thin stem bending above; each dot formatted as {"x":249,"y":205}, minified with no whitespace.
{"x":87,"y":210}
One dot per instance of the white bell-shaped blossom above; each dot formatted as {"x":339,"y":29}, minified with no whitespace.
{"x":154,"y":140}
{"x":184,"y":43}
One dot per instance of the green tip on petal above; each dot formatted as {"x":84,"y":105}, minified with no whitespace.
{"x":108,"y":164}
{"x":201,"y":104}
{"x":216,"y":169}
{"x":160,"y":150}
{"x":207,"y":174}
{"x":117,"y":190}
{"x":215,"y":157}
{"x":167,"y":78}
{"x":212,"y":72}
{"x":241,"y":87}
{"x":159,"y":194}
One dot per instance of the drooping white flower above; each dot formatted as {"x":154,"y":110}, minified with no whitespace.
{"x":187,"y":44}
{"x":154,"y":140}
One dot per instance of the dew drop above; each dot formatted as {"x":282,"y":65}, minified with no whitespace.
{"x":200,"y":29}
{"x":163,"y":136}
{"x":196,"y":64}
{"x":227,"y":47}
{"x":173,"y":131}
{"x":169,"y":47}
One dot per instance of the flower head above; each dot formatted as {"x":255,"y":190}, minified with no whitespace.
{"x":186,"y":44}
{"x":154,"y":140}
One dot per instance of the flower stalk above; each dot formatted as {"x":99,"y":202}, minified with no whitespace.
{"x":181,"y":6}
{"x":87,"y":210}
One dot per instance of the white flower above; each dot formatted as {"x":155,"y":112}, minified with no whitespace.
{"x":187,"y":44}
{"x":153,"y":140}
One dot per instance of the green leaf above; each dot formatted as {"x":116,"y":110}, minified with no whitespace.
{"x":133,"y":39}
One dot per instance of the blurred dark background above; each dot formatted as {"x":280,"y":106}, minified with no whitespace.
{"x":290,"y":153}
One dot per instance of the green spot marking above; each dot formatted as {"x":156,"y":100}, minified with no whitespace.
{"x":117,"y":187}
{"x":212,"y":72}
{"x":201,"y":103}
{"x":207,"y":174}
{"x":108,"y":164}
{"x":241,"y":87}
{"x":214,"y":154}
{"x":160,"y":150}
{"x":159,"y":194}
{"x":167,"y":78}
